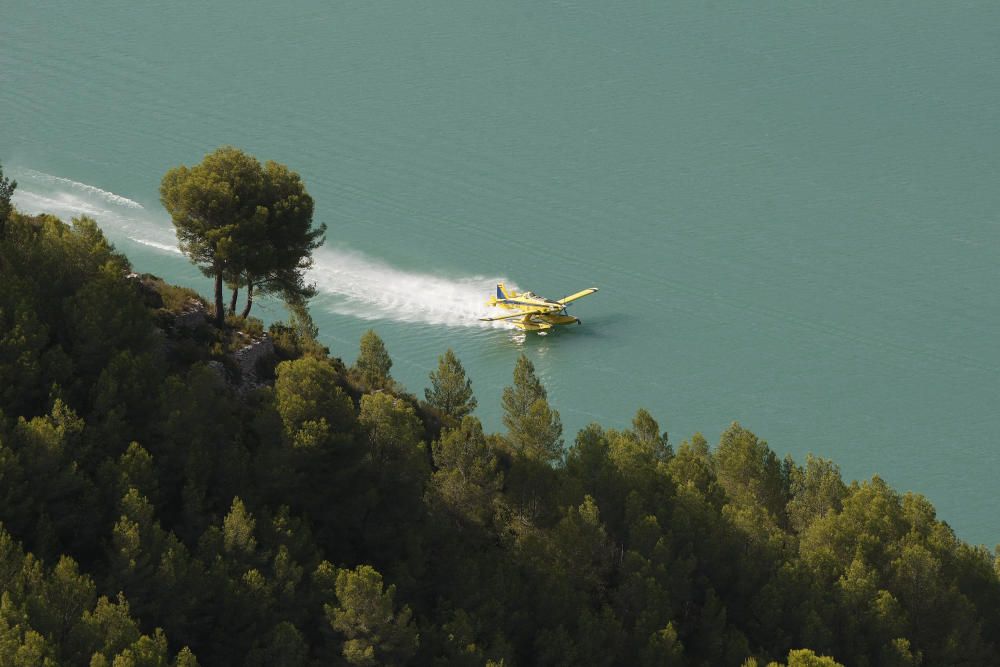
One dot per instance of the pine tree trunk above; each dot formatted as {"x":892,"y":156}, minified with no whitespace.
{"x":232,"y":301}
{"x":246,"y":311}
{"x":220,"y":314}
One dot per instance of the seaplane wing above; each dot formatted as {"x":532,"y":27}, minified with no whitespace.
{"x":578,"y":295}
{"x":520,"y":313}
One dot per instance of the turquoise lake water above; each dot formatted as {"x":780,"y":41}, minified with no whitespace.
{"x":792,"y":210}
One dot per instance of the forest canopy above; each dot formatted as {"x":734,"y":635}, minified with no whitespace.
{"x":158,"y":508}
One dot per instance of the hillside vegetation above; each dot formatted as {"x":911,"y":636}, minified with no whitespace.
{"x":158,"y":509}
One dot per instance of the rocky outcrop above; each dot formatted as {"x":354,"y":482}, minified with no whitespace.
{"x":146,"y":289}
{"x":242,"y":369}
{"x":249,"y":359}
{"x":192,"y":315}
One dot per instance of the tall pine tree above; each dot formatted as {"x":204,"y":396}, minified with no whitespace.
{"x":450,"y":390}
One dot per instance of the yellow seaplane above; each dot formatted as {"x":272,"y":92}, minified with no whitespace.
{"x":532,"y":312}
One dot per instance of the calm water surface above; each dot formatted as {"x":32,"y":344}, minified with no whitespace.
{"x":792,"y":211}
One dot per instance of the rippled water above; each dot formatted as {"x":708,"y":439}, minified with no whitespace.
{"x":792,"y":211}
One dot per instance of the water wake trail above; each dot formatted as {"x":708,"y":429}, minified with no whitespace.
{"x":91,"y":190}
{"x":118,"y":216}
{"x":353,"y":284}
{"x":349,"y":282}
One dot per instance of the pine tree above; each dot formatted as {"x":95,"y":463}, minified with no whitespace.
{"x":278,"y":265}
{"x":450,"y":390}
{"x":373,"y":362}
{"x":244,"y":223}
{"x":393,"y":432}
{"x":214,"y":207}
{"x":237,"y":532}
{"x":749,"y":471}
{"x":816,"y":490}
{"x":664,"y":649}
{"x":647,"y":432}
{"x":311,"y":405}
{"x":534,"y":428}
{"x":109,"y":626}
{"x":467,"y":479}
{"x":527,"y":389}
{"x":376,"y":633}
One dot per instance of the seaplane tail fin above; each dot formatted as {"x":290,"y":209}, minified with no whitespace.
{"x":502,"y":292}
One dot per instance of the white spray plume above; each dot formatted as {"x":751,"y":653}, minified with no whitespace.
{"x":357,"y":285}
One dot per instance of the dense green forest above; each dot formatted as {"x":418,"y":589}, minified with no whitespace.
{"x":162,"y":505}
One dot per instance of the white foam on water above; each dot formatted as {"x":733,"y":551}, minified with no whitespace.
{"x":351,"y":283}
{"x":110,"y":197}
{"x":118,"y":216}
{"x":159,"y":246}
{"x":62,"y":205}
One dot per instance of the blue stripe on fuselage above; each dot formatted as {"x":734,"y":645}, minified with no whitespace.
{"x":529,"y":303}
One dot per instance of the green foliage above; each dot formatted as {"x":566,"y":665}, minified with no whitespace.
{"x":278,"y":262}
{"x":749,"y":471}
{"x":53,"y":274}
{"x":298,"y":337}
{"x":311,"y":404}
{"x":251,"y":327}
{"x":393,"y":432}
{"x":646,"y":432}
{"x":467,"y":480}
{"x":805,"y":658}
{"x":534,"y":428}
{"x":816,"y":490}
{"x":47,"y":448}
{"x":583,"y":545}
{"x":147,"y":507}
{"x":373,"y":363}
{"x":243,"y":222}
{"x":7,"y":187}
{"x":694,"y":468}
{"x":110,"y":627}
{"x":526,"y":390}
{"x":173,"y":297}
{"x":50,"y":617}
{"x":450,"y":391}
{"x":365,"y":614}
{"x":237,"y":531}
{"x":215,"y":208}
{"x":663,"y":649}
{"x":284,"y":646}
{"x":23,"y":338}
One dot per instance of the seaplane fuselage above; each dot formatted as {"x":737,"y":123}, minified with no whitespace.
{"x":530,"y":312}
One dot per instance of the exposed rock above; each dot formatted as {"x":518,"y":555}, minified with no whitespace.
{"x":248,"y":360}
{"x":192,"y":315}
{"x":241,"y":369}
{"x":147,"y":290}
